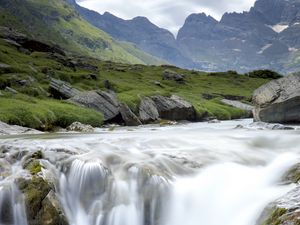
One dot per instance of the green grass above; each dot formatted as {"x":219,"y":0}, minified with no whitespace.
{"x":33,"y":107}
{"x":57,"y":22}
{"x":44,"y":114}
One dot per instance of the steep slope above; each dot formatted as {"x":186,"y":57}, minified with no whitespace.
{"x":58,"y":23}
{"x":267,"y":36}
{"x":140,"y":31}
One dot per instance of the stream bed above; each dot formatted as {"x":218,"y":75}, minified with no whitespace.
{"x":192,"y":174}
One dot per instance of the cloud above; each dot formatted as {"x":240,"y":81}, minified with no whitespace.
{"x":167,"y":14}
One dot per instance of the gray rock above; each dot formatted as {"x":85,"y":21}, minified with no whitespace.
{"x":174,"y":108}
{"x":11,"y":90}
{"x":128,"y":116}
{"x":214,"y":121}
{"x":148,"y":111}
{"x":171,"y":75}
{"x":6,"y":129}
{"x":79,"y":127}
{"x":268,"y":126}
{"x":101,"y":101}
{"x":62,"y":90}
{"x":238,"y":104}
{"x":283,"y":211}
{"x":278,"y":101}
{"x":4,"y":68}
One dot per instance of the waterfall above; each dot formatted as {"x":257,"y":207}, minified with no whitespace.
{"x":12,"y":210}
{"x":190,"y":174}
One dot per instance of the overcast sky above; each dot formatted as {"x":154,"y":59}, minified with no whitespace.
{"x":169,"y":14}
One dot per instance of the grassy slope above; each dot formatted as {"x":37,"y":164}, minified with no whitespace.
{"x":130,"y":82}
{"x":57,"y":22}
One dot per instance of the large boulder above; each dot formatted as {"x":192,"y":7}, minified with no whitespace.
{"x":174,"y":108}
{"x":128,"y":116}
{"x":278,"y":101}
{"x":148,"y":111}
{"x":62,"y":90}
{"x":101,"y":101}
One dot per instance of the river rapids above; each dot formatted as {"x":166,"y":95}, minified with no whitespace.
{"x":192,"y":174}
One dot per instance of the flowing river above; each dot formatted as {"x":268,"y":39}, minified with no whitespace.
{"x":191,"y":174}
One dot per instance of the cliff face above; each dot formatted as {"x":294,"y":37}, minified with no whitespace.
{"x":268,"y":36}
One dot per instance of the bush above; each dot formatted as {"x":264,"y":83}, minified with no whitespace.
{"x":265,"y":74}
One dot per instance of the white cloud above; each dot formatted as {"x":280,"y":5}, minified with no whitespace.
{"x":168,"y":14}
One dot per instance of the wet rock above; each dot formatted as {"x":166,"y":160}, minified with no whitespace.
{"x":128,"y":116}
{"x":79,"y":127}
{"x":148,"y":111}
{"x":278,"y":101}
{"x":214,"y":121}
{"x":292,"y":175}
{"x":174,"y":108}
{"x":6,"y":129}
{"x":35,"y":190}
{"x":269,"y":126}
{"x":51,"y":212}
{"x":284,"y":211}
{"x":11,"y":90}
{"x":101,"y":101}
{"x":42,"y":205}
{"x":171,"y":75}
{"x":62,"y":90}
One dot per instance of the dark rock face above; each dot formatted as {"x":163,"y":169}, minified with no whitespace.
{"x":148,"y":111}
{"x":278,"y":101}
{"x":104,"y":102}
{"x":128,"y":116}
{"x":174,"y":108}
{"x":62,"y":90}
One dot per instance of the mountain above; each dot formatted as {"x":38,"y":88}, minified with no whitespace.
{"x":57,"y":22}
{"x":265,"y":37}
{"x":140,"y":31}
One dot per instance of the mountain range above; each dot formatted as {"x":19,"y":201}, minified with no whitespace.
{"x":265,"y":37}
{"x":268,"y":36}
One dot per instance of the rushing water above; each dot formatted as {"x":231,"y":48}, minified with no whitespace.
{"x":190,"y":174}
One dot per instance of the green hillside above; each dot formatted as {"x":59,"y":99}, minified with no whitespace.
{"x":56,"y":22}
{"x":29,"y":73}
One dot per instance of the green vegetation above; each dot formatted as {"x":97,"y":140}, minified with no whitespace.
{"x":33,"y":108}
{"x":57,"y":22}
{"x":274,"y":217}
{"x":44,"y":114}
{"x":265,"y":74}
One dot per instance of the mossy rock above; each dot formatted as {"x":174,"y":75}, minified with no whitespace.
{"x":292,"y":175}
{"x":276,"y":215}
{"x":42,"y":206}
{"x":35,"y":190}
